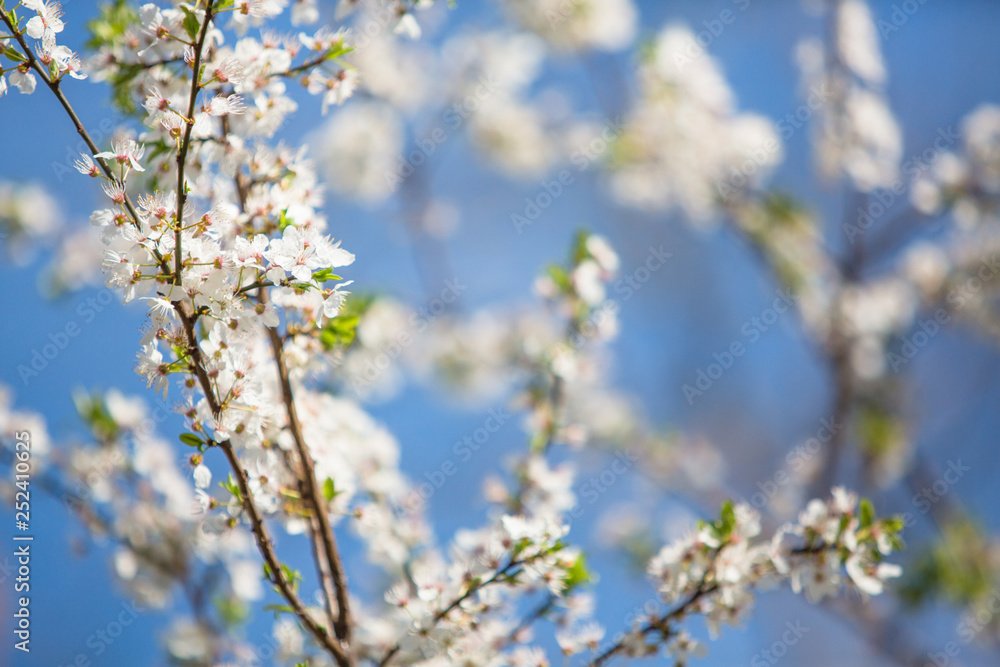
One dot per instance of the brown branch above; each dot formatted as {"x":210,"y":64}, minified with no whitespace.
{"x":438,"y":617}
{"x":322,"y":569}
{"x":266,"y":547}
{"x":307,"y":65}
{"x":182,"y":150}
{"x":661,"y":625}
{"x":188,"y":322}
{"x":264,"y":543}
{"x":328,"y":565}
{"x":53,"y":85}
{"x":313,"y":494}
{"x":530,"y":619}
{"x":705,"y":587}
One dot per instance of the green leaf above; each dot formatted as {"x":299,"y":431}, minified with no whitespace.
{"x":845,"y":521}
{"x":880,"y":433}
{"x":784,"y":210}
{"x":223,"y":5}
{"x":123,"y":93}
{"x":95,"y":414}
{"x":279,"y":609}
{"x":293,"y":577}
{"x":231,"y":486}
{"x":578,"y":574}
{"x":338,"y":50}
{"x":323,"y":275}
{"x":867,"y":513}
{"x":580,"y":251}
{"x":13,"y":54}
{"x":727,"y":520}
{"x":328,"y":489}
{"x":191,"y":23}
{"x":958,"y":567}
{"x":112,"y":21}
{"x":893,"y":524}
{"x":232,"y":611}
{"x":341,"y":330}
{"x":560,"y":277}
{"x":191,"y":440}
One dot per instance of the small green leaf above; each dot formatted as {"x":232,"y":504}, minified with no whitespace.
{"x":328,"y":489}
{"x":323,"y":275}
{"x":338,"y":50}
{"x":13,"y":54}
{"x":580,"y":251}
{"x":727,"y":520}
{"x":560,"y":277}
{"x":112,"y":22}
{"x":231,"y":486}
{"x":291,"y":576}
{"x":278,"y":609}
{"x":578,"y":574}
{"x":191,"y":23}
{"x":191,"y":440}
{"x":341,"y":330}
{"x":867,"y":513}
{"x":232,"y":610}
{"x":94,"y":412}
{"x":893,"y":524}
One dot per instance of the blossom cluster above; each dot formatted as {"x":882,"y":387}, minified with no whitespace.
{"x":685,"y":145}
{"x":714,"y":571}
{"x":219,"y":229}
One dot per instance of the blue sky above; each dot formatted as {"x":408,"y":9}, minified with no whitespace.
{"x":942,"y":63}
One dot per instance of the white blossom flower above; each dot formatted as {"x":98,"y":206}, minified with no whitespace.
{"x":202,"y":476}
{"x":23,"y":79}
{"x":870,"y":577}
{"x":125,"y":152}
{"x":47,"y":22}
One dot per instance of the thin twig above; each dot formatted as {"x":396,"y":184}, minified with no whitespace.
{"x":441,"y":615}
{"x":182,"y":150}
{"x":188,"y":322}
{"x":266,"y":548}
{"x":343,"y":625}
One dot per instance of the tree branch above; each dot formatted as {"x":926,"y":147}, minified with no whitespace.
{"x":182,"y":150}
{"x":343,"y":625}
{"x":266,"y":548}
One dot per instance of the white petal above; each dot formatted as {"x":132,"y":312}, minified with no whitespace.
{"x":36,"y":28}
{"x":202,"y":476}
